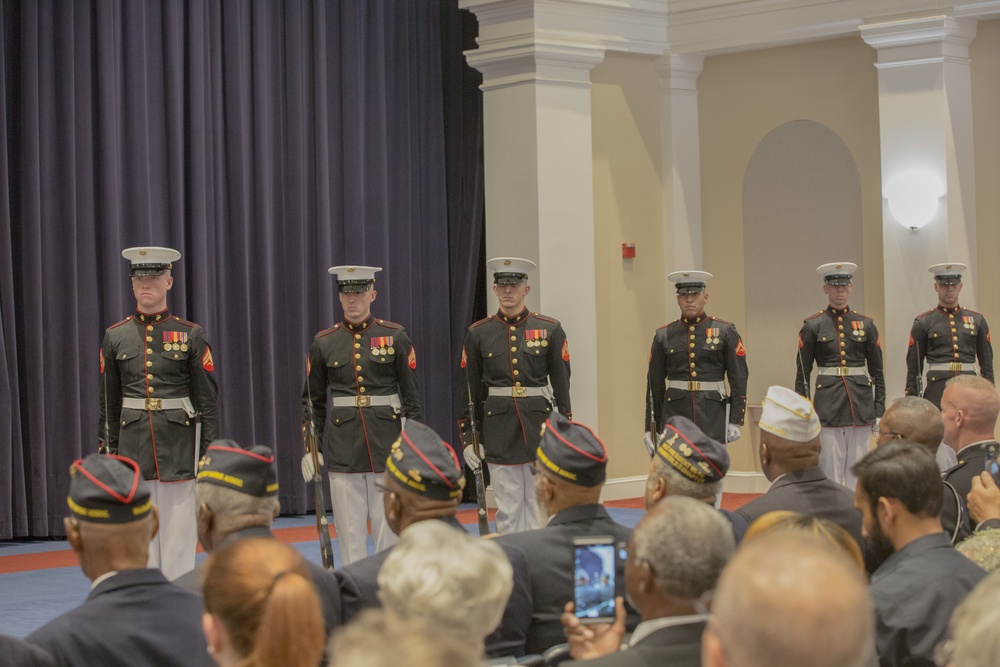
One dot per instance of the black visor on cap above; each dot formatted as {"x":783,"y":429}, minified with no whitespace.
{"x":839,"y":279}
{"x":690,"y":288}
{"x":509,"y":278}
{"x":138,"y":270}
{"x":951,"y":279}
{"x":354,"y":286}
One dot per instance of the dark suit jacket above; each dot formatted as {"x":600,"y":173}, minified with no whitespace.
{"x":809,"y":492}
{"x":359,"y":591}
{"x":16,"y":652}
{"x":971,"y":462}
{"x":323,"y":581}
{"x":551,"y":567}
{"x":131,"y":619}
{"x":674,"y":646}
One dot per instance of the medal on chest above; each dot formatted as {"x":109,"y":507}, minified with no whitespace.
{"x":382,"y":346}
{"x":536,"y":337}
{"x":175,"y":340}
{"x":858,"y":329}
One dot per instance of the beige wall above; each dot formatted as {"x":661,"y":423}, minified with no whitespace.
{"x":742,"y":98}
{"x":631,"y":294}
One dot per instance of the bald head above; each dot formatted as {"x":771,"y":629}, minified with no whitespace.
{"x":969,"y":407}
{"x":915,"y":419}
{"x":790,"y":599}
{"x":780,"y":455}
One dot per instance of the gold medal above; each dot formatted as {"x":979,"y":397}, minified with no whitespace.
{"x":545,"y":343}
{"x":177,"y":347}
{"x":184,"y":347}
{"x":392,"y":350}
{"x":532,"y":343}
{"x":715,"y":341}
{"x":382,"y":351}
{"x":166,"y":347}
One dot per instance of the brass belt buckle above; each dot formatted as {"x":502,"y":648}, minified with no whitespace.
{"x":518,"y":392}
{"x":842,"y":371}
{"x":363,"y":401}
{"x":955,"y":366}
{"x":154,"y":403}
{"x":694,"y":385}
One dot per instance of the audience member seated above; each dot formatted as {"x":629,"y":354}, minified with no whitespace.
{"x":133,"y":616}
{"x":974,"y":629}
{"x":261,"y":609}
{"x":982,"y":548}
{"x":921,"y":578}
{"x":237,"y":497}
{"x":374,"y":639}
{"x":789,"y":456}
{"x":969,"y":408}
{"x":788,"y":599}
{"x":570,"y":469}
{"x":424,"y":482}
{"x":447,"y":578}
{"x":918,"y":420}
{"x":826,"y":530}
{"x":16,"y":652}
{"x":686,"y":462}
{"x":675,"y":557}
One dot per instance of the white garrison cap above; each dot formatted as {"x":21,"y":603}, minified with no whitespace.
{"x":949,"y":273}
{"x":354,"y":278}
{"x":837,"y":273}
{"x":150,"y":261}
{"x":510,"y":270}
{"x":789,"y":415}
{"x":689,"y":282}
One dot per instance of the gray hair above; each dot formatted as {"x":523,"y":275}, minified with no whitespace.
{"x":448,"y":578}
{"x":687,"y":544}
{"x":234,"y":510}
{"x":974,"y":626}
{"x":679,"y":485}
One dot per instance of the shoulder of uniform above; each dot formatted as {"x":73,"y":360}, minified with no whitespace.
{"x":539,"y":316}
{"x":813,"y":317}
{"x":389,"y":325}
{"x":118,"y":324}
{"x":183,"y":322}
{"x":719,"y":320}
{"x":482,"y":322}
{"x":974,"y":312}
{"x":667,"y":325}
{"x":924,"y":314}
{"x":958,"y":466}
{"x":862,"y":315}
{"x":326,"y":332}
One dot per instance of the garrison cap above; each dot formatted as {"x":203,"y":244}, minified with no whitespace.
{"x":690,"y":282}
{"x":789,"y":415}
{"x":250,"y":471}
{"x":510,"y":270}
{"x":572,"y":451}
{"x":425,"y":464}
{"x":837,"y":273}
{"x":354,"y":278}
{"x":107,"y":488}
{"x":949,"y":273}
{"x":685,"y":448}
{"x":150,"y":261}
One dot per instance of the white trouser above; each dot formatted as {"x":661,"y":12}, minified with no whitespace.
{"x":172,"y":550}
{"x":355,"y":499}
{"x":514,"y":491}
{"x":843,"y":446}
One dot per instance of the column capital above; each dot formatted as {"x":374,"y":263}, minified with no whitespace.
{"x":679,"y":72}
{"x":527,"y":61}
{"x":925,"y":39}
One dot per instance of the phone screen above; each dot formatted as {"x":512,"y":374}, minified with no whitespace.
{"x":992,"y":467}
{"x":594,"y":582}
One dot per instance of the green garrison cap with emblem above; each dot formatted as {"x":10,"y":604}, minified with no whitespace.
{"x":425,"y":464}
{"x":107,"y":488}
{"x":354,"y":278}
{"x":510,"y":270}
{"x":572,"y":451}
{"x":685,"y":447}
{"x":150,"y":261}
{"x":250,"y":471}
{"x":948,"y":273}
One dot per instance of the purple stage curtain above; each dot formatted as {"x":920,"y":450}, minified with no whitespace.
{"x":266,"y":140}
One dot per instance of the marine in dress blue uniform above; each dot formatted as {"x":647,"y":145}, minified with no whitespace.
{"x":517,"y":366}
{"x":158,"y":402}
{"x":688,"y":361}
{"x":948,"y":340}
{"x":850,"y":384}
{"x":368,"y":366}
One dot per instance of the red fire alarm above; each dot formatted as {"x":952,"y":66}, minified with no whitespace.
{"x":628,"y":250}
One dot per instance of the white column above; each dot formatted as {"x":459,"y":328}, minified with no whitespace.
{"x":681,"y":160}
{"x":925,"y":121}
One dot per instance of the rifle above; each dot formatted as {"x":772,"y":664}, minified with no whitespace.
{"x":311,"y":442}
{"x":920,"y":369}
{"x":650,"y":443}
{"x":481,"y":515}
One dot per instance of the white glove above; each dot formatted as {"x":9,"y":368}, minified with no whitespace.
{"x":471,"y":460}
{"x":647,"y":440}
{"x":732,"y":432}
{"x":875,"y":430}
{"x":308,"y":470}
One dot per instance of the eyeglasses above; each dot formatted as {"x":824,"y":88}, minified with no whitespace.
{"x":878,"y":433}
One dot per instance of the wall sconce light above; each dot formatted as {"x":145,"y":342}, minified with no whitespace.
{"x":913,"y":198}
